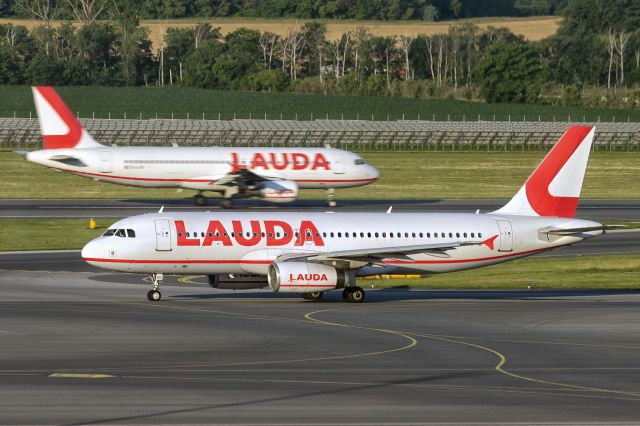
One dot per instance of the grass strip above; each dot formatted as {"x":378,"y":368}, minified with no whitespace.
{"x":404,"y":175}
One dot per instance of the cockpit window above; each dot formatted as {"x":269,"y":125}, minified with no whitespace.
{"x":359,"y":162}
{"x":71,"y":161}
{"x":131,"y":233}
{"x":121,"y":233}
{"x":109,"y":232}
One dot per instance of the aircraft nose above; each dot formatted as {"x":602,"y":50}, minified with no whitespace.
{"x":374,"y":173}
{"x":93,"y":251}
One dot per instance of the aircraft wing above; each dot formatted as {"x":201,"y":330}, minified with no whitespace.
{"x":376,"y":255}
{"x":241,"y":177}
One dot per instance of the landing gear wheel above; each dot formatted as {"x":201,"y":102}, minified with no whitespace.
{"x":314,"y":297}
{"x":227,"y":203}
{"x":353,"y":295}
{"x":331,"y":197}
{"x":357,"y":295}
{"x":154,"y":295}
{"x":199,"y":200}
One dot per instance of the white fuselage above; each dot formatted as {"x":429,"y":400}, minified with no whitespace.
{"x":210,"y":243}
{"x":200,"y":168}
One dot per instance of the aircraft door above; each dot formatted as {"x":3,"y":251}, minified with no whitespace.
{"x":105,"y":161}
{"x":506,"y":235}
{"x":163,"y":235}
{"x":337,"y":165}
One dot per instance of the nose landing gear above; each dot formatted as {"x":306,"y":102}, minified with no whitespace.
{"x":331,"y":197}
{"x":154,"y":294}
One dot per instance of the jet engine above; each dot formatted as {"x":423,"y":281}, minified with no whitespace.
{"x":237,"y":281}
{"x":278,"y":191}
{"x":304,"y":277}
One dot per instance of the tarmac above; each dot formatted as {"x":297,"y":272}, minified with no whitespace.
{"x":86,"y":347}
{"x":51,"y":209}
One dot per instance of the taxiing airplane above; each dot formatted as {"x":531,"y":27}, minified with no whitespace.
{"x":311,"y":253}
{"x":274,"y":174}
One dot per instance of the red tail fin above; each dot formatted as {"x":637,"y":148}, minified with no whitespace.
{"x":554,"y":187}
{"x":59,"y":127}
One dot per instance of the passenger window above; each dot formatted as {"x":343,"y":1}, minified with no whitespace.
{"x":180,"y":234}
{"x":428,"y":234}
{"x":413,"y":235}
{"x":390,"y":234}
{"x":376,"y":234}
{"x":406,"y":235}
{"x":457,"y":235}
{"x":211,"y":235}
{"x":479,"y":235}
{"x":384,"y":235}
{"x":464,"y":235}
{"x":332,"y":235}
{"x":362,"y":235}
{"x":187,"y":235}
{"x":368,"y":234}
{"x":324,"y":234}
{"x":450,"y":235}
{"x":202,"y":234}
{"x":339,"y":234}
{"x":473,"y":235}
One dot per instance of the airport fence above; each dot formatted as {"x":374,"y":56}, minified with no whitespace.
{"x":357,"y":135}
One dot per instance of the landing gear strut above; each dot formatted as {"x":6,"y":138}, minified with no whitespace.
{"x":353,"y":294}
{"x":314,"y":297}
{"x":199,"y":199}
{"x":331,"y":197}
{"x":154,"y":295}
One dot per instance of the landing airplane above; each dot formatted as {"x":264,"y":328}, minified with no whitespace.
{"x":274,"y":174}
{"x":311,"y":253}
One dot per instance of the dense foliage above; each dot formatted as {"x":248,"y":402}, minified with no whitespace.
{"x":429,"y":10}
{"x":593,"y":60}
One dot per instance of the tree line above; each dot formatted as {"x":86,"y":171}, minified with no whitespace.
{"x":593,"y":60}
{"x":429,"y":10}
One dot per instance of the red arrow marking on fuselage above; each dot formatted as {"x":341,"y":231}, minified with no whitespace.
{"x":489,"y":242}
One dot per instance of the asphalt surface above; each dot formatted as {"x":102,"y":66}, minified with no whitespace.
{"x":14,"y":209}
{"x":86,"y":347}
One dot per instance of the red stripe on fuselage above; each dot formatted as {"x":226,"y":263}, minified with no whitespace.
{"x":208,"y":180}
{"x":268,"y":262}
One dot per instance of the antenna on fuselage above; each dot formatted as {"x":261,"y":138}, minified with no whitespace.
{"x":161,"y":209}
{"x":390,"y":208}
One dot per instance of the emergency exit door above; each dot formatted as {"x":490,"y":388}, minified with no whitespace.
{"x":506,"y":235}
{"x":163,"y":235}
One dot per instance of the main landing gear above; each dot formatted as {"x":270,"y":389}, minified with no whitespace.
{"x":314,"y":297}
{"x":199,"y":199}
{"x":154,"y":295}
{"x":227,"y":203}
{"x":353,"y":294}
{"x":331,"y":197}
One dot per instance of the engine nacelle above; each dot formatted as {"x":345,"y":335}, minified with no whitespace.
{"x":278,"y":191}
{"x":237,"y":282}
{"x":304,"y":277}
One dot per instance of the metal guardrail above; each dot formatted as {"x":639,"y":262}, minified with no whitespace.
{"x":24,"y":134}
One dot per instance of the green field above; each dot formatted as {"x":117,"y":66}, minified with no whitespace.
{"x":587,"y":272}
{"x":405,"y":175}
{"x":619,"y":272}
{"x":147,"y":102}
{"x":55,"y":234}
